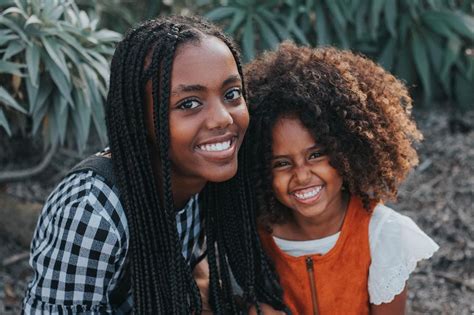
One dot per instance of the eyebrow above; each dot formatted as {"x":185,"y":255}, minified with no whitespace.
{"x":198,"y":87}
{"x":316,"y":146}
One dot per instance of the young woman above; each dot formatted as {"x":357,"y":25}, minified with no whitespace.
{"x":176,"y":116}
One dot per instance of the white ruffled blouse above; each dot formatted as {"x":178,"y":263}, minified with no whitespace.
{"x":396,"y":245}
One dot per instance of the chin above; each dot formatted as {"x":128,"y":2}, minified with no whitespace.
{"x":223,"y":173}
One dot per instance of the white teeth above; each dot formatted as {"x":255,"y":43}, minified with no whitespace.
{"x":309,"y":194}
{"x":215,"y":147}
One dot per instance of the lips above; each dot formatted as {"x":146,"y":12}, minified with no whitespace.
{"x":307,"y":195}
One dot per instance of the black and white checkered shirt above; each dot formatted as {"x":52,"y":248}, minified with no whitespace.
{"x":80,"y":244}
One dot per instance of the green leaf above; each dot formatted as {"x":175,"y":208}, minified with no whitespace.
{"x":248,"y":40}
{"x":4,"y":123}
{"x":33,"y":63}
{"x":336,"y":14}
{"x":451,"y":55}
{"x":107,"y":36}
{"x":220,"y":13}
{"x":44,"y":92}
{"x":15,"y":10}
{"x":13,"y":48}
{"x":98,"y":113}
{"x":81,"y":119}
{"x":390,"y":12}
{"x":360,"y":20}
{"x":60,"y":117}
{"x":420,"y":57}
{"x":462,"y":23}
{"x":59,"y":78}
{"x":436,"y":49}
{"x":387,"y":56}
{"x":56,"y":55}
{"x":322,"y":31}
{"x":33,"y":20}
{"x":237,"y":20}
{"x":7,"y":22}
{"x":32,"y":93}
{"x":463,"y":91}
{"x":375,"y":11}
{"x":6,"y":38}
{"x":437,"y":23}
{"x":38,"y":117}
{"x":267,"y":33}
{"x":8,"y":100}
{"x":11,"y":67}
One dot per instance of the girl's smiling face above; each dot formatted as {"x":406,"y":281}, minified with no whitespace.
{"x":208,"y":115}
{"x":302,"y":178}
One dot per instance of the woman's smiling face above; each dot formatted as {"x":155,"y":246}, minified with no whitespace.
{"x":208,"y":115}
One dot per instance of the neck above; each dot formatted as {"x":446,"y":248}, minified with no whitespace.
{"x":184,"y":188}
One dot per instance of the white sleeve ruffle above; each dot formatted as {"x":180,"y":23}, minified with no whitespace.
{"x":396,"y":245}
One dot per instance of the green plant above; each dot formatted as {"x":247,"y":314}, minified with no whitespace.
{"x":427,"y":43}
{"x":259,"y":25}
{"x":54,"y":71}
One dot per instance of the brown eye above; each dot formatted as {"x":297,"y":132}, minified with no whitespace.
{"x":316,"y":154}
{"x":189,"y":104}
{"x":279,"y":164}
{"x":233,"y":94}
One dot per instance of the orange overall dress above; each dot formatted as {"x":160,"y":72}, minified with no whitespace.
{"x":333,"y":283}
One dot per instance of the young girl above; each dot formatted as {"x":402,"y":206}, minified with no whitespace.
{"x":176,"y":116}
{"x":331,"y":138}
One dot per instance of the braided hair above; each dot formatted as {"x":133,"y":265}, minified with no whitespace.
{"x":161,"y":279}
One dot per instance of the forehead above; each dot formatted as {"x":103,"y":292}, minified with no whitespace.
{"x":207,"y":62}
{"x":289,"y":134}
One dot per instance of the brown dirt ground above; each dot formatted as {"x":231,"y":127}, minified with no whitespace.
{"x":438,"y":196}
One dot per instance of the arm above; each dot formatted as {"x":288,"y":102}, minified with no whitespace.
{"x":201,"y":275}
{"x":75,"y":255}
{"x":395,"y":307}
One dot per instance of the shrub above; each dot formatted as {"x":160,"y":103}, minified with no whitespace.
{"x":54,"y":71}
{"x":429,"y":44}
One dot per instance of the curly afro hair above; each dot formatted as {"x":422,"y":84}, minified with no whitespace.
{"x":356,"y":110}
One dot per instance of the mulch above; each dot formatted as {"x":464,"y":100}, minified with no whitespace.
{"x":438,"y":196}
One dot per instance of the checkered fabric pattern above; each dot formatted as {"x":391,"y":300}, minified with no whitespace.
{"x":80,"y":245}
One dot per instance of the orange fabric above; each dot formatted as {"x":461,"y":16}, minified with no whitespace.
{"x":341,"y":275}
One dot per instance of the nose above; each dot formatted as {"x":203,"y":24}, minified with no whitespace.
{"x":302,"y":174}
{"x":219,"y":116}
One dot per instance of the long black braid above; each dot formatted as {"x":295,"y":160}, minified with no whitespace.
{"x":161,"y":279}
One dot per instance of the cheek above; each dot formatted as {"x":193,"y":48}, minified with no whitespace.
{"x":279,"y":186}
{"x":240,"y":115}
{"x":334,"y":178}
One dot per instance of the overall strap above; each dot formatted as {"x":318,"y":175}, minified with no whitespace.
{"x":98,"y":164}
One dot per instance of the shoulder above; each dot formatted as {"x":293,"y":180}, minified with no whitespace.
{"x":90,"y":196}
{"x":396,"y":246}
{"x":81,"y":239}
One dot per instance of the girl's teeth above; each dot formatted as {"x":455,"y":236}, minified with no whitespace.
{"x":221,"y":146}
{"x":308,"y":194}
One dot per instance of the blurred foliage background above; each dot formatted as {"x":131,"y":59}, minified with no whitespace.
{"x":55,"y":54}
